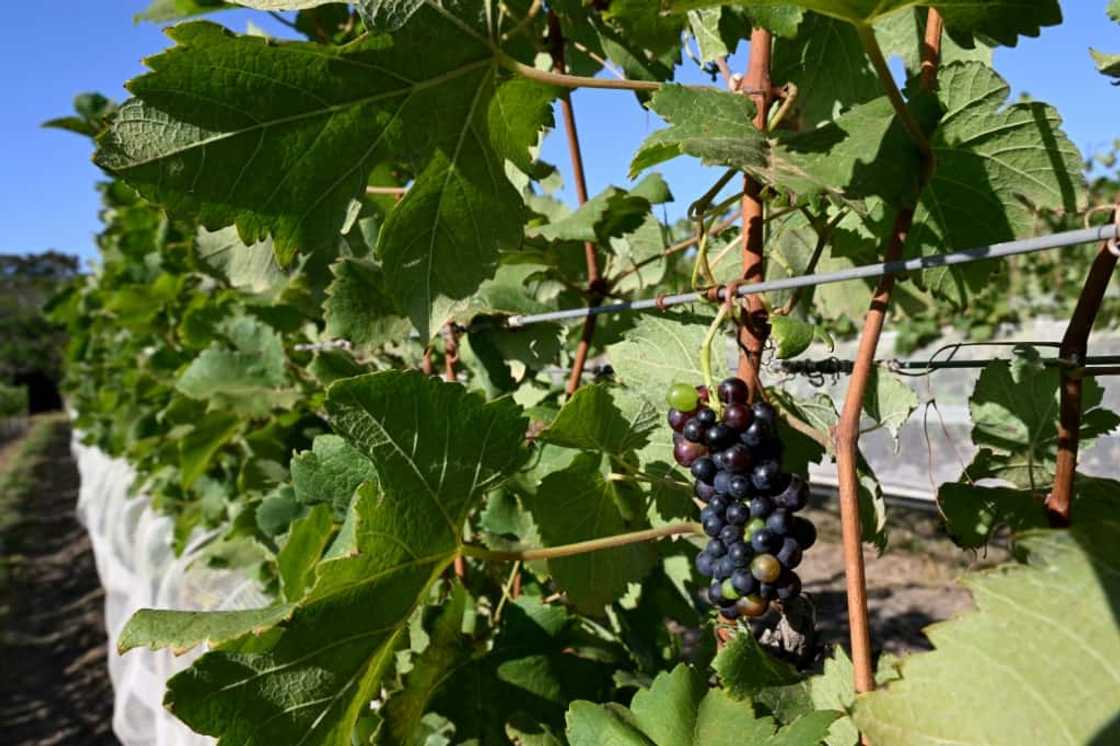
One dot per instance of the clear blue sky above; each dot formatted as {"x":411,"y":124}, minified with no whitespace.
{"x":47,"y":196}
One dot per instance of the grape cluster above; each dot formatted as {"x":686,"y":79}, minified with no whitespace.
{"x":756,"y":540}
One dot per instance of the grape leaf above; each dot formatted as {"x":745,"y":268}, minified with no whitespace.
{"x":706,"y":26}
{"x":745,"y":668}
{"x":358,"y":307}
{"x":182,"y":630}
{"x":296,"y":561}
{"x":1002,"y":20}
{"x":902,"y":34}
{"x":997,"y":165}
{"x":889,"y":401}
{"x":538,"y":664}
{"x":599,"y":418}
{"x":250,"y":268}
{"x":317,"y":674}
{"x":973,"y":512}
{"x":1048,"y":625}
{"x":1114,"y":10}
{"x":330,"y":473}
{"x":611,"y":212}
{"x":579,"y":503}
{"x":249,"y":380}
{"x":281,"y":137}
{"x":160,"y":11}
{"x":1107,"y":64}
{"x":678,"y":709}
{"x":1014,"y":410}
{"x":198,"y":447}
{"x":783,"y":20}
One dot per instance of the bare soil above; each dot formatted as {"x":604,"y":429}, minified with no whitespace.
{"x":55,"y":686}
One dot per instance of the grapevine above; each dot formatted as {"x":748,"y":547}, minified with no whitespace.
{"x":345,"y":328}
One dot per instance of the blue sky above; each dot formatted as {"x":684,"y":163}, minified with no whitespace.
{"x":47,"y":195}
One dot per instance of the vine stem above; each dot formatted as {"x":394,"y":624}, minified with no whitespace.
{"x":847,"y":431}
{"x":1075,"y":345}
{"x":563,"y":80}
{"x":879,"y":62}
{"x":754,"y":330}
{"x":582,"y":547}
{"x":595,"y":285}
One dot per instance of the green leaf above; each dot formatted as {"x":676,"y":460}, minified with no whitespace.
{"x":611,"y":212}
{"x":599,"y":418}
{"x":278,"y":510}
{"x":182,"y":630}
{"x":662,"y":350}
{"x":1108,"y":64}
{"x":330,"y":473}
{"x":745,"y":668}
{"x":792,"y":336}
{"x":358,"y":307}
{"x":902,"y":34}
{"x":889,"y":401}
{"x":973,"y":512}
{"x":1002,"y":20}
{"x":1014,"y":410}
{"x":706,"y":26}
{"x":283,"y":136}
{"x":249,"y":380}
{"x":540,"y":662}
{"x":580,"y":503}
{"x":305,"y":545}
{"x":160,"y":11}
{"x":1114,"y":10}
{"x":1048,"y":625}
{"x":678,"y":709}
{"x":783,"y":20}
{"x":198,"y":447}
{"x":832,"y":689}
{"x":317,"y":674}
{"x":997,"y":165}
{"x":250,"y":268}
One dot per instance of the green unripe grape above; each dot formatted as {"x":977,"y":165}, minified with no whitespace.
{"x":728,"y":591}
{"x":766,"y":568}
{"x":756,"y":524}
{"x":752,"y":605}
{"x":683,"y":397}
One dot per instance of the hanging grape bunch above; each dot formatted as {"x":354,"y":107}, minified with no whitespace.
{"x":756,"y":541}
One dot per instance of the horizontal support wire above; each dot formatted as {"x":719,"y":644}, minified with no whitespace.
{"x":868,"y":271}
{"x":1100,"y":364}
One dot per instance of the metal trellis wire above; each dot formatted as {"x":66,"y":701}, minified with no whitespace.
{"x":956,"y":258}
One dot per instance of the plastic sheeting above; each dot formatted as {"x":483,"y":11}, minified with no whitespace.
{"x":132,"y":548}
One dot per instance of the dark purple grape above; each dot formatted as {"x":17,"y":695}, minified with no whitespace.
{"x":719,"y":437}
{"x":715,"y":593}
{"x":708,"y":513}
{"x":686,"y":453}
{"x":737,"y":417}
{"x":744,"y":583}
{"x":717,"y":459}
{"x":780,"y":522}
{"x":702,"y":392}
{"x":737,"y":514}
{"x":764,"y":413}
{"x":722,"y":483}
{"x":754,"y":526}
{"x":729,"y":534}
{"x":693,"y":431}
{"x":704,"y":564}
{"x":739,"y":486}
{"x":795,"y":495}
{"x":704,"y":469}
{"x":730,"y":613}
{"x":761,"y":506}
{"x":765,"y":542}
{"x":715,"y":549}
{"x":740,"y":554}
{"x":804,"y":531}
{"x":789,"y":585}
{"x":765,"y":476}
{"x":723,"y":567}
{"x":712,"y":525}
{"x":790,"y":553}
{"x":719,"y":504}
{"x":769,"y":450}
{"x":767,"y":591}
{"x":737,"y":458}
{"x":733,"y":391}
{"x":755,"y":435}
{"x":703,"y":491}
{"x":706,"y":416}
{"x":678,"y":419}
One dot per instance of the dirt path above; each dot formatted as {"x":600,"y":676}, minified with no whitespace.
{"x":55,"y":688}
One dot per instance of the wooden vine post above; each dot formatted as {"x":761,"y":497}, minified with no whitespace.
{"x":595,"y":286}
{"x":1075,"y":346}
{"x":846,"y":434}
{"x":755,"y":327}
